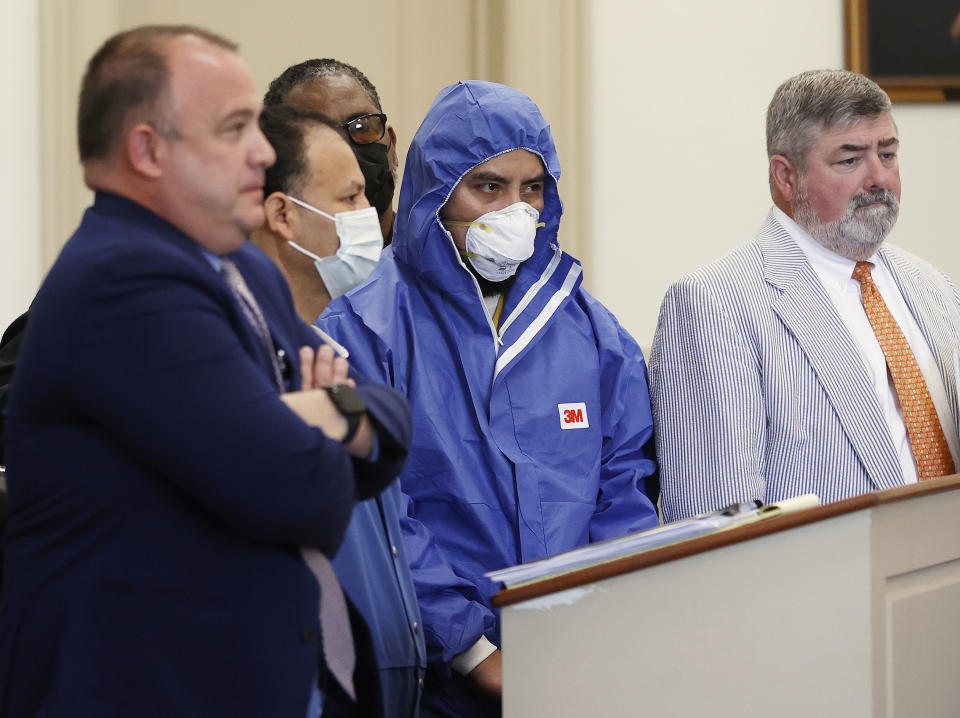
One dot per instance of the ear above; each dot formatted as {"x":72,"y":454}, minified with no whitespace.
{"x":145,"y":150}
{"x":392,"y":151}
{"x":785,"y":177}
{"x":280,"y":217}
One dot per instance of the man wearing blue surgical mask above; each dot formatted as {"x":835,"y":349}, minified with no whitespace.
{"x":320,"y":229}
{"x":324,"y":235}
{"x":344,"y":94}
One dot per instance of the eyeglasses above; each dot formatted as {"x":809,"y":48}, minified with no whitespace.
{"x":366,"y":129}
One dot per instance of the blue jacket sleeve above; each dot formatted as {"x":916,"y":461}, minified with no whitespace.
{"x":453,"y":612}
{"x":628,"y":469}
{"x":391,"y":418}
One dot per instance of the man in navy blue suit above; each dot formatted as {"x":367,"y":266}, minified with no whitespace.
{"x":178,"y":446}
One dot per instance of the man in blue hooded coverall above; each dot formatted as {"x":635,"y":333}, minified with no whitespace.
{"x":532,"y":425}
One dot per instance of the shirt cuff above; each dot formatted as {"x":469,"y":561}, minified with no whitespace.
{"x":465,"y":662}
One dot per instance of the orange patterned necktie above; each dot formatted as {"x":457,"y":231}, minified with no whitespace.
{"x":929,"y":445}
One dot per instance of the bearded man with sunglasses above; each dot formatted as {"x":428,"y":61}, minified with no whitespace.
{"x":810,"y":360}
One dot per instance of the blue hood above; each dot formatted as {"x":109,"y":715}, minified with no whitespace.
{"x":468,"y":123}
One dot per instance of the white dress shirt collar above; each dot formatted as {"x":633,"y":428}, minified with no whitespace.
{"x":833,"y":270}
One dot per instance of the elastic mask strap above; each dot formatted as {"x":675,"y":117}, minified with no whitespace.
{"x":498,"y":312}
{"x":455,"y":223}
{"x":304,"y":251}
{"x":482,"y":225}
{"x":311,"y":208}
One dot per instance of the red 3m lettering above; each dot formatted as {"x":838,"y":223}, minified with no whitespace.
{"x":573,"y":416}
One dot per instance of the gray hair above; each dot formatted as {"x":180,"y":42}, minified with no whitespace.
{"x":818,"y":100}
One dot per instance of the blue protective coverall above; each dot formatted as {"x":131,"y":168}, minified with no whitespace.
{"x":494,"y":478}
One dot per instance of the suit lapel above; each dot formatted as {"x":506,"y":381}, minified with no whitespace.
{"x":248,"y":336}
{"x":926,"y":302}
{"x":811,"y":318}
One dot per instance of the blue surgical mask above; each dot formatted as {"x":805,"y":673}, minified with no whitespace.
{"x":360,"y":245}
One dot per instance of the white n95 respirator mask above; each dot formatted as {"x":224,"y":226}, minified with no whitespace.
{"x":360,"y":245}
{"x":498,"y":242}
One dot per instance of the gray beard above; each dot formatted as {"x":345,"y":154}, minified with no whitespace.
{"x":859,"y":232}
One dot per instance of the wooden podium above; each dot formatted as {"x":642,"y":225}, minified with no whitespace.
{"x":847,"y":610}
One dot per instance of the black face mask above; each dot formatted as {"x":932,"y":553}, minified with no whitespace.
{"x":376,"y":172}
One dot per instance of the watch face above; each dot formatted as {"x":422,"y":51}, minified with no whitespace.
{"x":346,"y":399}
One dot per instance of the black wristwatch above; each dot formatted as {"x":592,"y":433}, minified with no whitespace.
{"x":348,"y":403}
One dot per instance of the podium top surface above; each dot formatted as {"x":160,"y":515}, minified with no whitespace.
{"x":709,"y":542}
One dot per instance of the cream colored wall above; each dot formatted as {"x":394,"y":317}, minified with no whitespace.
{"x":657,"y":108}
{"x":375,"y":36}
{"x":409,"y":48}
{"x":20,"y":257}
{"x":677,"y":98}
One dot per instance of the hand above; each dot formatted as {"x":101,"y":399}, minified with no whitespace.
{"x":318,"y":370}
{"x":323,"y":368}
{"x":488,"y":675}
{"x":317,"y":409}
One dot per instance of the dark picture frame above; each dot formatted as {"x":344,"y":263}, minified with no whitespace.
{"x":911,"y":48}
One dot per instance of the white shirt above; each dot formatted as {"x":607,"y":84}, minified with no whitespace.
{"x":836,"y":275}
{"x":490,"y":304}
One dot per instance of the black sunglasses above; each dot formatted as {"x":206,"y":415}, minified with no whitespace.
{"x":366,"y":129}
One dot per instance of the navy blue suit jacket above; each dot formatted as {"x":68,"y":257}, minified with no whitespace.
{"x":160,"y":489}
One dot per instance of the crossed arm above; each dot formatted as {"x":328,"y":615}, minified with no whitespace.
{"x":320,"y":369}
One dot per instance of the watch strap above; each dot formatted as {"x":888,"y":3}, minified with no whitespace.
{"x":353,"y":426}
{"x":350,"y":405}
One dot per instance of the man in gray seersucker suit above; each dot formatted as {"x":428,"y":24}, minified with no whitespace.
{"x":767,"y":377}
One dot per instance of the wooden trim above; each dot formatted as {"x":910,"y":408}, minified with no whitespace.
{"x":930,"y":486}
{"x":900,"y":88}
{"x":898,"y":82}
{"x":655,"y":557}
{"x":855,"y":30}
{"x":917,"y":95}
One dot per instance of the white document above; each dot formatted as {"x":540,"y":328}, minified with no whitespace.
{"x":603,"y":551}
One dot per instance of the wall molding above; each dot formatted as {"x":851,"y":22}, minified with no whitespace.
{"x":70,"y":33}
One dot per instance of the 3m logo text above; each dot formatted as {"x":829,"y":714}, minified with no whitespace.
{"x":573,"y":416}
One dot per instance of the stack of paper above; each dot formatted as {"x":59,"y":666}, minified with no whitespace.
{"x":735,"y":515}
